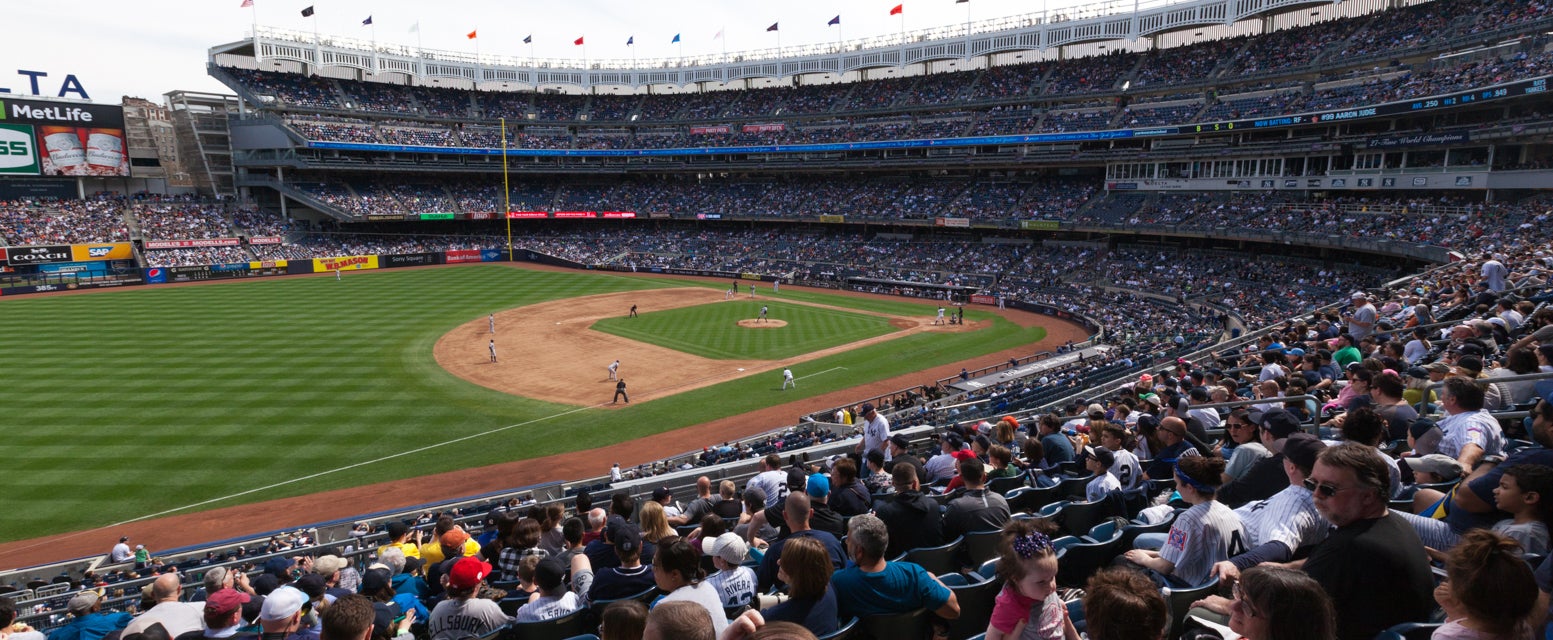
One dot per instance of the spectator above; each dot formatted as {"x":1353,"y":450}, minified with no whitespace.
{"x":462,"y":614}
{"x":875,"y":587}
{"x":176,"y":617}
{"x":677,"y":570}
{"x":1488,"y":592}
{"x":1123,"y":605}
{"x":734,"y":583}
{"x":1203,"y":535}
{"x":978,"y":509}
{"x":623,"y":620}
{"x":554,"y":599}
{"x":912,"y":517}
{"x":681,"y":620}
{"x":1274,"y":603}
{"x":1028,"y":603}
{"x":348,"y":618}
{"x":223,"y":616}
{"x":798,"y":512}
{"x":806,"y":567}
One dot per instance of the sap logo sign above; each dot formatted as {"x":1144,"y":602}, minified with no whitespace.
{"x":98,"y":252}
{"x":15,"y":148}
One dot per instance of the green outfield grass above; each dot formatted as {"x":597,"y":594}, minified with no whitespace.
{"x":131,"y":403}
{"x":712,"y":330}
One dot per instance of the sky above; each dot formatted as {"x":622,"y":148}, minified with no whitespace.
{"x":145,"y":48}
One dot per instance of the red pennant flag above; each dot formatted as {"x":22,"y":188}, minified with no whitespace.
{"x":473,"y":33}
{"x":898,"y":9}
{"x":577,"y":42}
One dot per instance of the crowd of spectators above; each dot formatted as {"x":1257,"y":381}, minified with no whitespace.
{"x":186,"y":220}
{"x":196,"y":256}
{"x":38,"y":221}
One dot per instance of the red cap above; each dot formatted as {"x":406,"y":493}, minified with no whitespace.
{"x":468,"y":572}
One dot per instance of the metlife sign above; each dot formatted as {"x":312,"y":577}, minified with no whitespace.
{"x":18,"y":150}
{"x":76,"y":114}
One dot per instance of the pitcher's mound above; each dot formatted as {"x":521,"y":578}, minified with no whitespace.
{"x":762,"y":324}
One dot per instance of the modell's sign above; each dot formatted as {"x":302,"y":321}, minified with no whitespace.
{"x":266,"y":239}
{"x":38,"y":255}
{"x":180,"y":244}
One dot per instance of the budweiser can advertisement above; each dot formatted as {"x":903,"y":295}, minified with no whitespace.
{"x":74,"y":138}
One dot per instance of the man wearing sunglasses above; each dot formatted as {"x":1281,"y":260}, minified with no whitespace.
{"x":1373,"y":563}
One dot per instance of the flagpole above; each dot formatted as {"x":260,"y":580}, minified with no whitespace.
{"x":506,"y":189}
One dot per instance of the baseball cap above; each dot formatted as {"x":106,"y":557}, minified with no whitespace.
{"x":83,"y":602}
{"x":468,"y":572}
{"x":1436,"y":463}
{"x":313,"y":585}
{"x":224,"y":602}
{"x":1102,"y":455}
{"x":626,"y":539}
{"x":454,"y":538}
{"x":863,"y":410}
{"x":900,"y":441}
{"x":1419,"y":373}
{"x":963,"y":454}
{"x":728,"y":546}
{"x":1357,"y":294}
{"x":282,"y":603}
{"x":1279,"y":422}
{"x":550,"y":573}
{"x":1437,"y":367}
{"x":327,"y":565}
{"x":818,"y":485}
{"x":279,"y":566}
{"x":1302,"y":449}
{"x":375,"y":580}
{"x":661,"y":493}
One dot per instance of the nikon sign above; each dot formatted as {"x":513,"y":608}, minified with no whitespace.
{"x":18,"y":150}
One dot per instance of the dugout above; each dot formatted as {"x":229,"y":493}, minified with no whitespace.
{"x":953,"y":293}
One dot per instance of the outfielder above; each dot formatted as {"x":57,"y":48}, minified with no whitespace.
{"x":752,"y":290}
{"x":336,"y":274}
{"x":763,"y":313}
{"x":492,"y":320}
{"x":776,"y":286}
{"x":613,"y":368}
{"x":787,"y":379}
{"x":493,"y":351}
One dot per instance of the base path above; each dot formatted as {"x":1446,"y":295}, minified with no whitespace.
{"x":549,"y":351}
{"x":246,"y":519}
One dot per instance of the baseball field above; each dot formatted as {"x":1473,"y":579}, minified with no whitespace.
{"x":131,"y":405}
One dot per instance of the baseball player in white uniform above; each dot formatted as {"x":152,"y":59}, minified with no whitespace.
{"x":613,"y":368}
{"x":787,"y":379}
{"x":940,"y":318}
{"x":763,"y":311}
{"x":493,"y":351}
{"x":492,"y":320}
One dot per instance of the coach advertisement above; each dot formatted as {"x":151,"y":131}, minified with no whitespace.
{"x":407,"y":260}
{"x":459,"y":256}
{"x":349,"y":263}
{"x":18,"y":256}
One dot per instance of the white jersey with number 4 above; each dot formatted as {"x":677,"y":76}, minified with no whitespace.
{"x":1202,"y":536}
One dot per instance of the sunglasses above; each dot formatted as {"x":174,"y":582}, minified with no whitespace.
{"x":1326,"y":490}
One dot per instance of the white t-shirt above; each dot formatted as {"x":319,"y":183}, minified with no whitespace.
{"x":875,"y":433}
{"x":1127,"y":470}
{"x":705,"y":595}
{"x":1533,"y":536}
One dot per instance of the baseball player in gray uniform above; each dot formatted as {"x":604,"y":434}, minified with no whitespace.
{"x":614,"y":368}
{"x":763,"y":311}
{"x":493,"y":351}
{"x":787,"y":379}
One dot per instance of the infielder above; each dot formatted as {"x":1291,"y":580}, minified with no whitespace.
{"x":763,"y":313}
{"x":620,"y":392}
{"x":787,"y":379}
{"x":776,"y":286}
{"x":613,"y":368}
{"x":493,"y":351}
{"x":752,"y":290}
{"x":633,"y":312}
{"x":492,"y":320}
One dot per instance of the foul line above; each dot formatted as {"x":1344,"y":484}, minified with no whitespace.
{"x":352,"y":466}
{"x":819,"y":373}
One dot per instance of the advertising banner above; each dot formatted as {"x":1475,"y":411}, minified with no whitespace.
{"x":493,"y":255}
{"x":406,"y":260}
{"x":833,"y":219}
{"x":459,"y":256}
{"x":156,"y":275}
{"x":962,"y":223}
{"x":80,"y":269}
{"x":3,"y":254}
{"x":984,"y":299}
{"x":438,"y":216}
{"x":17,"y":256}
{"x":18,"y":150}
{"x":763,"y":128}
{"x":1040,"y":225}
{"x":482,"y":215}
{"x":384,"y":216}
{"x":346,"y":263}
{"x":527,"y":214}
{"x":204,"y":242}
{"x":73,"y":139}
{"x":707,"y":130}
{"x":709,"y":216}
{"x":268,"y":264}
{"x":102,"y":251}
{"x":266,"y":240}
{"x":575,"y":214}
{"x":617,"y":214}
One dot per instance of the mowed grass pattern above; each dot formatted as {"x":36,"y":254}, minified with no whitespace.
{"x":712,"y":330}
{"x":132,"y":403}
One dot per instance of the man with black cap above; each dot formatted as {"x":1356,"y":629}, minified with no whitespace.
{"x":630,"y":577}
{"x":896,"y":453}
{"x":876,"y":430}
{"x":554,"y":600}
{"x":1279,"y":526}
{"x":88,"y":622}
{"x":942,"y":466}
{"x":1266,"y":477}
{"x":603,"y":553}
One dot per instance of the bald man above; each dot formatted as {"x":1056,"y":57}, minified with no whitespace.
{"x":177,"y":617}
{"x":697,"y":509}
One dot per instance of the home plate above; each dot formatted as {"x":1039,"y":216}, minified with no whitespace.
{"x":741,"y":368}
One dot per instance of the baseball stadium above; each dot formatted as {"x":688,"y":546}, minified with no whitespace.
{"x":1178,"y":319}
